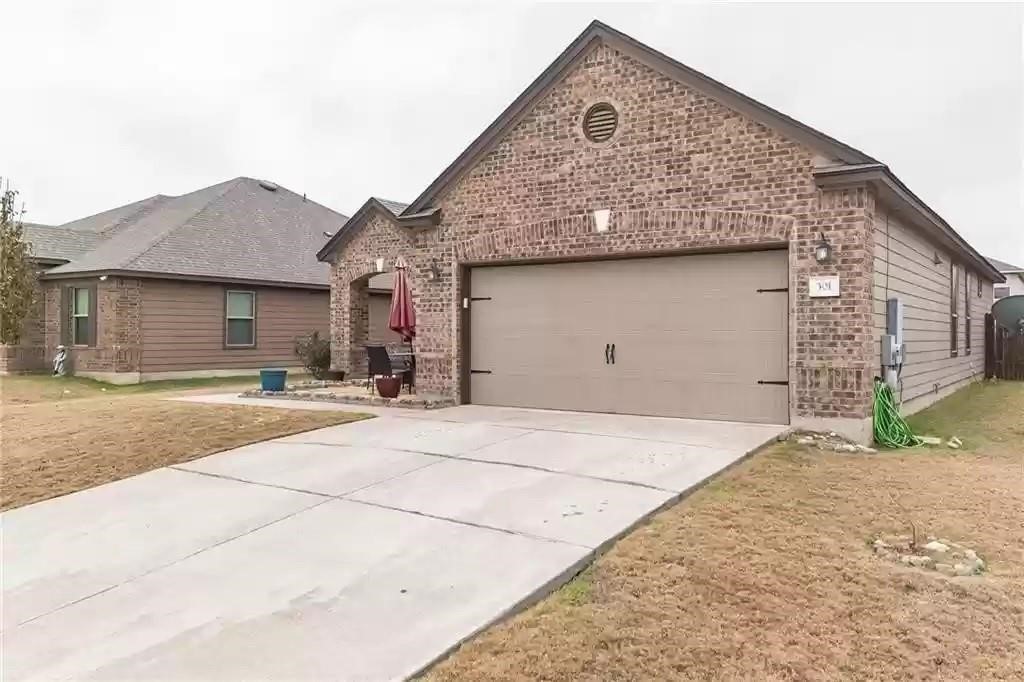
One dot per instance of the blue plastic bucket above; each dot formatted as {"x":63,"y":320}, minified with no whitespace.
{"x":273,"y":379}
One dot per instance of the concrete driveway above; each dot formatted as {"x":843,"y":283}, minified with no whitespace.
{"x":356,"y":552}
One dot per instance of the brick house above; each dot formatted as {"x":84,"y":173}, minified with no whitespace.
{"x":632,"y":236}
{"x":218,"y":281}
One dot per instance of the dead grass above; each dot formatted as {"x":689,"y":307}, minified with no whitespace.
{"x":766,"y":573}
{"x":54,"y":447}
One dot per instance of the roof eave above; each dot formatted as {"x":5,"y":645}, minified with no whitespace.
{"x":892,"y":191}
{"x":89,"y":274}
{"x":598,"y":31}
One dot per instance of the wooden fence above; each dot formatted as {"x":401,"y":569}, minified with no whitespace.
{"x":1004,"y":352}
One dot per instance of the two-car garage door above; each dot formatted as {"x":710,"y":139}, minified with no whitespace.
{"x":684,"y":336}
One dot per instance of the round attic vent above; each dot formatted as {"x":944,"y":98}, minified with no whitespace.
{"x":600,"y":122}
{"x":268,"y":185}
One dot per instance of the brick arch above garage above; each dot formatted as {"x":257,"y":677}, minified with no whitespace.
{"x":629,"y":232}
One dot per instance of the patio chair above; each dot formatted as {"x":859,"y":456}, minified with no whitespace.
{"x":379,"y":364}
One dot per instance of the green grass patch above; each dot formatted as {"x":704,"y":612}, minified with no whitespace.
{"x":983,"y":413}
{"x":578,"y":591}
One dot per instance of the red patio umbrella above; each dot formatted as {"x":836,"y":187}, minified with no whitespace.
{"x":403,"y":317}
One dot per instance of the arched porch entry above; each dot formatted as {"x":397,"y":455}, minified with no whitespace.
{"x":357,"y":307}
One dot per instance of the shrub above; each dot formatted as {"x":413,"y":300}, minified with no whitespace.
{"x":315,"y":353}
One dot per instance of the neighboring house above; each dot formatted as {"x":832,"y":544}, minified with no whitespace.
{"x":1014,"y":275}
{"x":631,"y":236}
{"x":218,"y":281}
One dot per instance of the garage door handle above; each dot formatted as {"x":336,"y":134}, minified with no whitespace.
{"x":613,"y":353}
{"x":607,"y":353}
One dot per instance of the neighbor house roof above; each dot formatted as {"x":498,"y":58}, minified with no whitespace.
{"x":1005,"y":268}
{"x":52,"y":244}
{"x":110,"y":220}
{"x":242,"y":229}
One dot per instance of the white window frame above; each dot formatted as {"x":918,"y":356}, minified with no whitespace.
{"x":228,"y":317}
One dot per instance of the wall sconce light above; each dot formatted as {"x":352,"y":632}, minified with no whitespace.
{"x":937,"y":259}
{"x":378,"y":265}
{"x":823,"y":251}
{"x":435,"y":270}
{"x":103,"y":278}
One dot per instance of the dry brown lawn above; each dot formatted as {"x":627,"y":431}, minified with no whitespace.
{"x":53,"y":443}
{"x":765,"y":574}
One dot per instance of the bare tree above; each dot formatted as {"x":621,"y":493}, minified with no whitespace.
{"x":17,"y":272}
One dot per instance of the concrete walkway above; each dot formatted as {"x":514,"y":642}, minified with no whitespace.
{"x":357,"y":552}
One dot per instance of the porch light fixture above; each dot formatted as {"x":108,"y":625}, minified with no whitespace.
{"x":378,"y":265}
{"x":823,"y":251}
{"x":435,"y":270}
{"x":936,"y":258}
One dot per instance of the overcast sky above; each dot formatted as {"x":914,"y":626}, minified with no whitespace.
{"x":109,"y":102}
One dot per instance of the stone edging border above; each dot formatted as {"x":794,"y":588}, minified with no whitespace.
{"x":371,"y":400}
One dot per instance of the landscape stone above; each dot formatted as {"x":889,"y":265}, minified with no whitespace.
{"x":936,"y":546}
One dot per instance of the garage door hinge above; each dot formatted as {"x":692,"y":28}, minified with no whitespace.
{"x":773,"y":383}
{"x":762,"y":291}
{"x":479,"y":371}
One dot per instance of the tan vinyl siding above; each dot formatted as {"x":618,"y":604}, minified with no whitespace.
{"x":905,"y":268}
{"x":183,"y":326}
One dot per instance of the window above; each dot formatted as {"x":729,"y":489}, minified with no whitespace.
{"x":980,"y":287}
{"x":967,"y":312}
{"x":240,"y":319}
{"x":954,"y":319}
{"x":80,"y":318}
{"x":1000,"y":290}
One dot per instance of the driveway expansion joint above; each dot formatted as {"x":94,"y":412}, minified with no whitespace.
{"x":513,"y":465}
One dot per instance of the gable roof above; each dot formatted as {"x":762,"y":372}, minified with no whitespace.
{"x":600,"y":32}
{"x":239,"y":230}
{"x":51,"y":244}
{"x":1005,"y":268}
{"x":846,"y":161}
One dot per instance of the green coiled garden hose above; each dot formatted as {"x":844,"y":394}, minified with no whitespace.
{"x":889,"y":427}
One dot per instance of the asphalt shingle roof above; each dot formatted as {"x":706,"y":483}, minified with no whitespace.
{"x":1004,"y":267}
{"x":237,"y":229}
{"x":58,"y":243}
{"x":395,"y":207}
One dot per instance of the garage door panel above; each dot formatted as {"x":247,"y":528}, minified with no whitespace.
{"x":721,"y":400}
{"x":692,"y":336}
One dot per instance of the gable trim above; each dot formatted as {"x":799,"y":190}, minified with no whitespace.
{"x":598,"y":32}
{"x":893,"y":193}
{"x":428,"y":218}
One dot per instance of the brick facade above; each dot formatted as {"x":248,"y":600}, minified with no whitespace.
{"x":682,"y":172}
{"x":118,"y":325}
